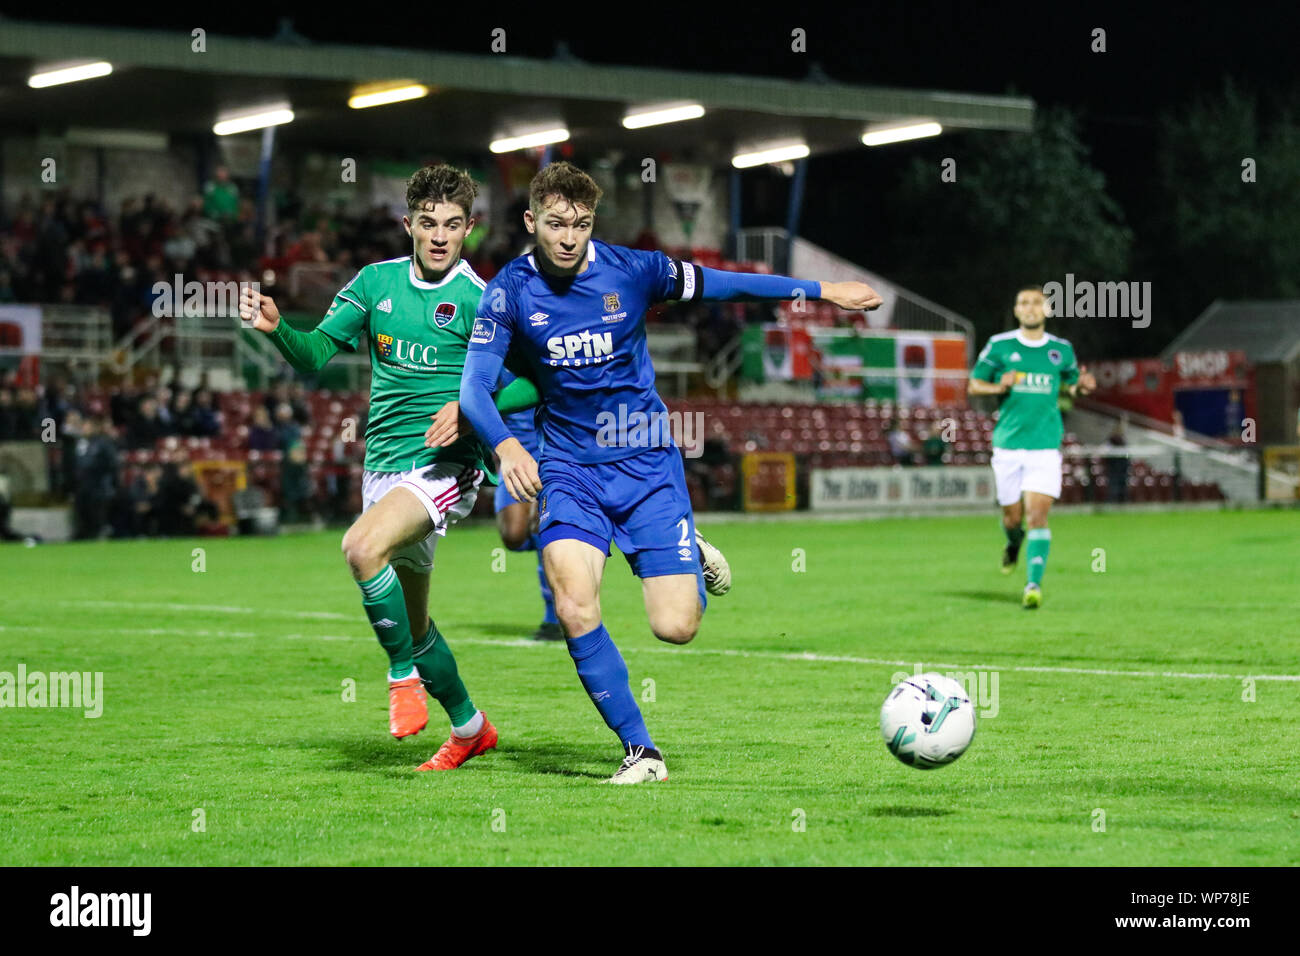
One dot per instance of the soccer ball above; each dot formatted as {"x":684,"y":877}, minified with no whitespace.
{"x":927,"y":721}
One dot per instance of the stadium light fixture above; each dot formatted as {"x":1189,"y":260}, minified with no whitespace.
{"x":772,"y":154}
{"x":545,"y":137}
{"x":260,"y":118}
{"x":70,"y":73}
{"x":881,"y":135}
{"x":659,"y":115}
{"x":365,"y":97}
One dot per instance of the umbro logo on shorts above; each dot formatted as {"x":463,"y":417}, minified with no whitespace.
{"x":685,"y":553}
{"x":385,"y":622}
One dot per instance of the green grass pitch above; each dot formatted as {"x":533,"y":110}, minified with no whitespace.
{"x":1124,"y":732}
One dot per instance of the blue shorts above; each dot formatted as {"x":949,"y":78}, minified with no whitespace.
{"x":521,"y":426}
{"x":639,"y":502}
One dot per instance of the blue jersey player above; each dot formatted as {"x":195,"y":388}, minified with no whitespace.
{"x":516,"y":520}
{"x":570,"y":316}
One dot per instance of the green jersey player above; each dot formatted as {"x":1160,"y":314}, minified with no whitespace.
{"x":418,"y":312}
{"x":1028,"y":368}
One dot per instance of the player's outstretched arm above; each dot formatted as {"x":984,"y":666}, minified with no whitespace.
{"x":305,"y":351}
{"x":720,"y":285}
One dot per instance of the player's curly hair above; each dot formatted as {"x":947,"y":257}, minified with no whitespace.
{"x":563,"y":181}
{"x":441,"y":183}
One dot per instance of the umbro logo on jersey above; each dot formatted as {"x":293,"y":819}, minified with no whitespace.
{"x":538,"y":318}
{"x":385,"y":623}
{"x":385,"y":306}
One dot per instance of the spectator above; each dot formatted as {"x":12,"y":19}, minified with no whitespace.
{"x":282,"y":393}
{"x":138,"y":513}
{"x":96,"y":465}
{"x":221,"y":197}
{"x":145,"y":427}
{"x":8,"y":416}
{"x":183,"y":413}
{"x":1116,"y":465}
{"x":262,"y":435}
{"x":178,"y":499}
{"x":207,"y":422}
{"x":900,"y":444}
{"x":286,"y":428}
{"x":294,"y":487}
{"x":932,"y":446}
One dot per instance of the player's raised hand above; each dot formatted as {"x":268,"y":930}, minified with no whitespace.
{"x":448,"y":426}
{"x":1087,"y":382}
{"x":518,"y":470}
{"x":258,"y":309}
{"x":853,"y":296}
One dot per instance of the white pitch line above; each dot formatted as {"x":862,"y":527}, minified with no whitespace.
{"x":218,"y":609}
{"x":877,"y":661}
{"x":768,"y":655}
{"x":82,"y":628}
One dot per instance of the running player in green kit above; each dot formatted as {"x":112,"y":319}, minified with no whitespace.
{"x":418,"y":312}
{"x":1028,"y":368}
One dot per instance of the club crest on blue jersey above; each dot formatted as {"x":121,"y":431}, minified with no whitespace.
{"x":611,"y":302}
{"x":443,"y":314}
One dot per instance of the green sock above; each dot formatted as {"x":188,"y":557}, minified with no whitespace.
{"x":1014,"y":535}
{"x":1040,"y":542}
{"x":386,"y":607}
{"x":441,"y":679}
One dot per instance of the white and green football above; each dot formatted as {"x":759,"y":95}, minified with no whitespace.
{"x":927,"y":721}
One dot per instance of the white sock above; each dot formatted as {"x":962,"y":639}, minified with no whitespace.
{"x":394,"y":680}
{"x":471,"y":728}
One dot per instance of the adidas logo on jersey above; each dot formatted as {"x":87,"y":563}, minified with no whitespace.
{"x":1014,"y":357}
{"x":538,"y":318}
{"x":385,"y":306}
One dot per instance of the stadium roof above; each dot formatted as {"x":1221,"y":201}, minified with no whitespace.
{"x":1265,"y":331}
{"x":158,"y":84}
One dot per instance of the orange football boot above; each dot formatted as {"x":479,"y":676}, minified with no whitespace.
{"x":459,"y":749}
{"x":407,"y":712}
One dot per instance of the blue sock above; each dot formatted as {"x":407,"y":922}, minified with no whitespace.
{"x":604,"y":674}
{"x":548,"y":598}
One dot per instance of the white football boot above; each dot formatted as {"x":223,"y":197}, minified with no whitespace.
{"x":717,"y":572}
{"x":639,"y":766}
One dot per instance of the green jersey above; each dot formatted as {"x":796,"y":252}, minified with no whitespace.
{"x":419,"y":332}
{"x":1030,"y":416}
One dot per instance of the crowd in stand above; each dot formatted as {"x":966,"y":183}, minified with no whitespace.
{"x":88,"y":436}
{"x":58,"y":249}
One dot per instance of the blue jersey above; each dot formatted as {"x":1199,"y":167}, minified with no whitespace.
{"x":582,"y":340}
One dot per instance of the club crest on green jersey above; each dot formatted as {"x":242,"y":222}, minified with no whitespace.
{"x":443,"y":314}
